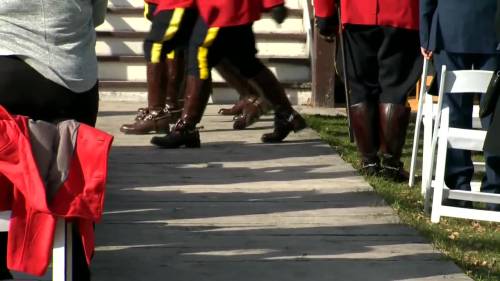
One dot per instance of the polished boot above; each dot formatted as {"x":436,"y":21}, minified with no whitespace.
{"x":286,"y":119}
{"x":155,"y":119}
{"x":4,"y":271}
{"x":284,"y":123}
{"x":184,"y":132}
{"x":364,"y":117}
{"x":393,"y":123}
{"x":237,"y":81}
{"x":252,"y":110}
{"x":236,"y":109}
{"x":175,"y":76}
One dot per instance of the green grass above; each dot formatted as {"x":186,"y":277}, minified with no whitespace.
{"x":474,"y":246}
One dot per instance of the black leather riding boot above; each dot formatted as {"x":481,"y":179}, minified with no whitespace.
{"x":393,"y":123}
{"x":286,"y":119}
{"x":153,"y":119}
{"x":185,"y":133}
{"x":364,"y":122}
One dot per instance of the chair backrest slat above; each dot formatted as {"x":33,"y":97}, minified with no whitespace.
{"x":467,"y":81}
{"x":466,"y":139}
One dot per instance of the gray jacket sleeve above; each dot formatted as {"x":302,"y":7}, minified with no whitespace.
{"x":427,"y":10}
{"x":99,"y":11}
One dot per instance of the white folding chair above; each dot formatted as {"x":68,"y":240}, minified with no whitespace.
{"x":444,"y":137}
{"x":426,"y":113}
{"x":62,"y":253}
{"x":423,"y":99}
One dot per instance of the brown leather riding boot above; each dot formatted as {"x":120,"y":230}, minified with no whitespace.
{"x":364,"y":117}
{"x":237,"y":81}
{"x":175,"y":75}
{"x":252,"y":110}
{"x":155,"y":119}
{"x":286,"y":119}
{"x":185,"y":133}
{"x":393,"y":122}
{"x":4,"y":271}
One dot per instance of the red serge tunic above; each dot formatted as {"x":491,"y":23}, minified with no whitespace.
{"x":172,"y":4}
{"x":224,"y":13}
{"x":33,"y":219}
{"x":395,"y":13}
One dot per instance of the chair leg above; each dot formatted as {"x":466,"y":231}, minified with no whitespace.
{"x":439,"y":184}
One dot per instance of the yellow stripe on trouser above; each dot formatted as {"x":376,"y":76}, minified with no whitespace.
{"x":170,"y":32}
{"x":171,"y":55}
{"x":146,"y":9}
{"x":203,"y":52}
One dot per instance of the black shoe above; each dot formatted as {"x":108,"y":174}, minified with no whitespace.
{"x":178,"y":138}
{"x":393,"y":170}
{"x":370,"y":169}
{"x":283,"y":125}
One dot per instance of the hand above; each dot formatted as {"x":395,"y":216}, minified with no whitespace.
{"x":427,"y":54}
{"x":279,"y":13}
{"x":327,"y":27}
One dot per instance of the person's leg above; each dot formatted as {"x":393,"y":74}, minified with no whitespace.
{"x":250,"y":105}
{"x":240,"y":49}
{"x":399,"y":62}
{"x":362,"y":73}
{"x":162,"y":39}
{"x":202,"y":54}
{"x":84,"y":107}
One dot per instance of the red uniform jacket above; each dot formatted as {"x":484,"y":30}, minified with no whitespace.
{"x":395,"y":13}
{"x":172,"y":4}
{"x":80,"y":198}
{"x":223,"y":13}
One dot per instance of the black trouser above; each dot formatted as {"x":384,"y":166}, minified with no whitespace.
{"x":149,"y":10}
{"x":170,"y":30}
{"x":208,"y":46}
{"x":25,"y":91}
{"x":383,"y":63}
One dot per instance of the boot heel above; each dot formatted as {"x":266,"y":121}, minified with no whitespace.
{"x":298,"y":123}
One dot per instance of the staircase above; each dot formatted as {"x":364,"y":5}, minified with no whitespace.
{"x":122,"y":68}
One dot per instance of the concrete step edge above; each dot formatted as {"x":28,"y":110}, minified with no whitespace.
{"x":289,"y":36}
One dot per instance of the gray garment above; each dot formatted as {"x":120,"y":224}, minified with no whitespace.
{"x":55,"y":37}
{"x":53,"y":147}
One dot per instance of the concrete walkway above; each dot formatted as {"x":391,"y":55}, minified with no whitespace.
{"x":240,"y":210}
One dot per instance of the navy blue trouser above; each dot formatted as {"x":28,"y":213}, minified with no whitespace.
{"x":459,"y":167}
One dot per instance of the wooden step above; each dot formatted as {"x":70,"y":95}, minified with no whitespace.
{"x":133,"y":68}
{"x":289,"y":36}
{"x":131,"y":44}
{"x":136,"y":22}
{"x":298,"y":93}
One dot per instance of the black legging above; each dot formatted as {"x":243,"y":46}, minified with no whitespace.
{"x":25,"y":91}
